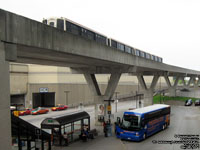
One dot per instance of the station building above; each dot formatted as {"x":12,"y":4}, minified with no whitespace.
{"x":46,"y":86}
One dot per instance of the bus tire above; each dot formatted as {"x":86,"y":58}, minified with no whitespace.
{"x":164,"y":126}
{"x":144,"y":136}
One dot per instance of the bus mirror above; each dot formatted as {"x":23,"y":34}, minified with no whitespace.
{"x":118,"y":120}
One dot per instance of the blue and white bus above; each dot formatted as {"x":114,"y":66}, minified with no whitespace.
{"x":140,"y":123}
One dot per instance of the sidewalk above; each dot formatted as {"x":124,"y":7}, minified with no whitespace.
{"x":99,"y":143}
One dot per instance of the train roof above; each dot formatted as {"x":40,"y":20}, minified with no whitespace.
{"x":148,"y":108}
{"x":51,"y":18}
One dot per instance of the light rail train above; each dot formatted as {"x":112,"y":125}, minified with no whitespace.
{"x":77,"y":29}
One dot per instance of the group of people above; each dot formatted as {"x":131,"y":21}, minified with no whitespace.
{"x":85,"y":135}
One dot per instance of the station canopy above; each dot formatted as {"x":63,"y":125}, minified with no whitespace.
{"x":57,"y":121}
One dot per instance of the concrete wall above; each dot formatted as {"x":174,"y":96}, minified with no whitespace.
{"x":18,"y":79}
{"x":78,"y":93}
{"x":60,"y":79}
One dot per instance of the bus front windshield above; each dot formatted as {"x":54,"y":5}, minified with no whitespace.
{"x":131,"y":122}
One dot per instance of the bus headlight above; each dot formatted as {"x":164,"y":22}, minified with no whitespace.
{"x":121,"y":132}
{"x":137,"y":134}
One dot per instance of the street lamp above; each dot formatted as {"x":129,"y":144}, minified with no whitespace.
{"x":67,"y":94}
{"x":116,"y":101}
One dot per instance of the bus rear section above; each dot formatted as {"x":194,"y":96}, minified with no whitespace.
{"x":140,"y":123}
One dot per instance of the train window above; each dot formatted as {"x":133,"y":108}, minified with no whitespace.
{"x":88,"y":34}
{"x":159,"y":59}
{"x":152,"y":57}
{"x":60,"y":24}
{"x":100,"y":39}
{"x":156,"y":58}
{"x":147,"y":56}
{"x":44,"y":21}
{"x":141,"y":54}
{"x":127,"y":49}
{"x":73,"y":28}
{"x":133,"y":51}
{"x":137,"y":53}
{"x":51,"y":24}
{"x":113,"y":44}
{"x":120,"y":46}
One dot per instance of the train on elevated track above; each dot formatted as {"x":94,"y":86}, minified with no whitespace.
{"x":77,"y":29}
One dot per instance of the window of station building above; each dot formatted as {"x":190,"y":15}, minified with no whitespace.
{"x":51,"y":24}
{"x":127,"y":49}
{"x":60,"y":24}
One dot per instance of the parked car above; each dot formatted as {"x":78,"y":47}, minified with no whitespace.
{"x":197,"y":102}
{"x":39,"y":110}
{"x":25,"y":111}
{"x":188,"y":102}
{"x":59,"y":107}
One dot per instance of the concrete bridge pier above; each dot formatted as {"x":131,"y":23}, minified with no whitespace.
{"x":98,"y":97}
{"x":197,"y":83}
{"x":148,"y":92}
{"x":172,"y":88}
{"x":5,"y":119}
{"x":191,"y":81}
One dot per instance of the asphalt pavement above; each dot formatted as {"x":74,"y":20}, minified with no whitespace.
{"x":184,"y":121}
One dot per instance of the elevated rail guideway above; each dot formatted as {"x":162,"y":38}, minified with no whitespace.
{"x":27,"y":41}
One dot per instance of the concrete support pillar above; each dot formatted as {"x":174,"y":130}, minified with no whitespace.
{"x":148,"y":92}
{"x":172,"y":88}
{"x":98,"y":97}
{"x":92,"y":83}
{"x":190,"y":81}
{"x":5,"y":119}
{"x":112,"y":84}
{"x":183,"y":80}
{"x":196,"y":83}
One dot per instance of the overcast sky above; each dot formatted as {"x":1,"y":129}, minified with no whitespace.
{"x":167,"y":28}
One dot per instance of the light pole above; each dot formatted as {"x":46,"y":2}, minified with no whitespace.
{"x":116,"y":101}
{"x":67,"y":94}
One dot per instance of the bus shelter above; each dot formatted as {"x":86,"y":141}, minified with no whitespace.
{"x":67,"y":126}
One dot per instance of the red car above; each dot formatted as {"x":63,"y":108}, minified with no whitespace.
{"x":39,"y":110}
{"x":25,"y":112}
{"x":59,"y":107}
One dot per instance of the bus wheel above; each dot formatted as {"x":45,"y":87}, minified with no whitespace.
{"x":144,"y":136}
{"x":163,"y":127}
